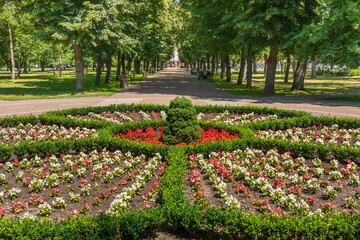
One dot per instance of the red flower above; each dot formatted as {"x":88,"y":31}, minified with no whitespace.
{"x":154,"y":137}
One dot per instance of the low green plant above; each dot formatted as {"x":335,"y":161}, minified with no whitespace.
{"x":181,"y":124}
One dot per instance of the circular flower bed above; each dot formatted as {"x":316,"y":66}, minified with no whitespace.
{"x":153,"y":136}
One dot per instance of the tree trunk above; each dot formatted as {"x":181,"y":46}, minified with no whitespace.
{"x":60,"y":63}
{"x":108,"y":68}
{"x":135,"y":64}
{"x":42,"y":68}
{"x":100,"y":64}
{"x":123,"y":65}
{"x":222,"y":68}
{"x":8,"y":65}
{"x":79,"y":64}
{"x":213,"y":64}
{"x":25,"y":66}
{"x":19,"y":71}
{"x":281,"y":66}
{"x":217,"y":65}
{"x":254,"y":65}
{"x":313,"y":71}
{"x":208,"y":62}
{"x":12,"y":61}
{"x":299,"y":77}
{"x":118,"y":66}
{"x":287,"y":69}
{"x":129,"y":63}
{"x":228,"y":69}
{"x":242,"y":67}
{"x":249,"y":71}
{"x":156,"y":65}
{"x":271,"y":69}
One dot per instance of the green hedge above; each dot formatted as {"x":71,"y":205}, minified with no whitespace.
{"x":131,"y":225}
{"x":250,"y":109}
{"x":16,"y":120}
{"x":110,"y":108}
{"x":305,"y":121}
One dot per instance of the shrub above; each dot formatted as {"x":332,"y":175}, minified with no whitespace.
{"x":181,"y":124}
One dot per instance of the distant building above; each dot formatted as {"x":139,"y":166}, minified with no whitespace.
{"x":175,"y":60}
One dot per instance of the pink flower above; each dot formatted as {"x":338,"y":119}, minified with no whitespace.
{"x":285,"y":214}
{"x":147,"y":205}
{"x":74,"y":213}
{"x":311,"y":200}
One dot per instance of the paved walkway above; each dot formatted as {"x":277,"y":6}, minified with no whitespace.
{"x":166,"y":85}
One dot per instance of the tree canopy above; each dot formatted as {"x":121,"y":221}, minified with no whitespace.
{"x":206,"y":32}
{"x":309,"y":30}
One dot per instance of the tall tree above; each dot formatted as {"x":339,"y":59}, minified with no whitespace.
{"x":83,"y":24}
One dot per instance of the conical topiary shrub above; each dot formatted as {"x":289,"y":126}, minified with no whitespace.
{"x":181,"y":123}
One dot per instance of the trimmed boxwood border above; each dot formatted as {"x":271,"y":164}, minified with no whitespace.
{"x":175,"y":212}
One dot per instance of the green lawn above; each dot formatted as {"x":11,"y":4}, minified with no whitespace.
{"x":43,"y":85}
{"x":321,"y":85}
{"x":345,"y":99}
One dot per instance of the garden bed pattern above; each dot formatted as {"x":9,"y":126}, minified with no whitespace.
{"x":333,"y":135}
{"x":234,"y":118}
{"x":58,"y":187}
{"x":267,"y":182}
{"x":225,"y":117}
{"x":122,"y":117}
{"x":38,"y":133}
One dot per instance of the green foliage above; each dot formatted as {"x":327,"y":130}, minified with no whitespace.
{"x":181,"y":124}
{"x":16,"y":120}
{"x":133,"y":225}
{"x":355,"y":72}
